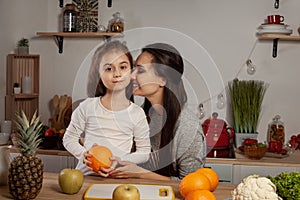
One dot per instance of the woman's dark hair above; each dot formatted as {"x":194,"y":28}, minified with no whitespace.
{"x":168,"y":64}
{"x":95,"y":86}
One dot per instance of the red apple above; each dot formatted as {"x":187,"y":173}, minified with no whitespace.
{"x":293,"y":137}
{"x":126,"y":192}
{"x":70,"y":180}
{"x":293,"y":143}
{"x":249,"y":141}
{"x":49,"y":132}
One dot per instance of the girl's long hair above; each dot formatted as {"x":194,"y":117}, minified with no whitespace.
{"x":168,"y":64}
{"x":95,"y":86}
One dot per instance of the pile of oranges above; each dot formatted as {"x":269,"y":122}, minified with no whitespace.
{"x":199,"y":185}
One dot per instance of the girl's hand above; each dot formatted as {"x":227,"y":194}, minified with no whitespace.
{"x":127,"y":170}
{"x":86,"y":159}
{"x":105,"y":172}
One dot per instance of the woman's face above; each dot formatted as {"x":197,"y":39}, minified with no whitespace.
{"x":115,"y":70}
{"x":145,"y":80}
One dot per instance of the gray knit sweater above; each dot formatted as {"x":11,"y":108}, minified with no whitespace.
{"x":188,"y":146}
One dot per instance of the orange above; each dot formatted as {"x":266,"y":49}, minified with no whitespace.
{"x":100,"y":157}
{"x":200,"y":195}
{"x":211,"y":175}
{"x":193,"y":181}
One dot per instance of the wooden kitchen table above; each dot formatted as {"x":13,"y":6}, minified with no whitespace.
{"x":51,"y":189}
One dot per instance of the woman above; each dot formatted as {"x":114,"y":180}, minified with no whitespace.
{"x":177,"y":142}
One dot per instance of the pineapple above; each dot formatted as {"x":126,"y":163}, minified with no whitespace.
{"x":26,"y":170}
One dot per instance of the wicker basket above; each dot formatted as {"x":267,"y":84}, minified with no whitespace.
{"x":254,"y":151}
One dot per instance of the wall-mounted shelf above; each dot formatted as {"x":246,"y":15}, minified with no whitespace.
{"x":17,"y":67}
{"x":26,"y":96}
{"x":59,"y":36}
{"x":276,"y":37}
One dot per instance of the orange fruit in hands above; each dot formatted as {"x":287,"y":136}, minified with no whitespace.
{"x":211,"y":175}
{"x":200,"y":195}
{"x":193,"y":181}
{"x":100,"y":157}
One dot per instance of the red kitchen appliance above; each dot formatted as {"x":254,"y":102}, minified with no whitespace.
{"x":218,"y":135}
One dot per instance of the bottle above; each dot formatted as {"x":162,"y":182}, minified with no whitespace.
{"x":69,"y":18}
{"x":117,"y":23}
{"x":276,"y":130}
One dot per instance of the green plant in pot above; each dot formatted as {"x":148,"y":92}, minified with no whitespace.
{"x":23,"y":46}
{"x":246,"y":101}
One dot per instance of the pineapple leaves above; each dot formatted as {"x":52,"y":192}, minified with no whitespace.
{"x":28,"y":133}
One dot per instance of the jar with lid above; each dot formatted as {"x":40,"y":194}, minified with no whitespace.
{"x":276,"y":130}
{"x":116,"y":24}
{"x":69,"y":18}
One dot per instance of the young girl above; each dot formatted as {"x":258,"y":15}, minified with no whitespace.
{"x":110,"y":119}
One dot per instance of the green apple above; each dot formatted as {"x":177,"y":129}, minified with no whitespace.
{"x":126,"y":192}
{"x":70,"y":180}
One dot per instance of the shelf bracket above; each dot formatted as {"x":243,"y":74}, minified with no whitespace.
{"x":275,"y":44}
{"x":60,"y":42}
{"x":61,"y":3}
{"x":276,"y":4}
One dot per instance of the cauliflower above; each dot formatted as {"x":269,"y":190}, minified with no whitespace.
{"x":255,"y":187}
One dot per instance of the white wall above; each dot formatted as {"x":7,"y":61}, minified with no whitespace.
{"x":225,"y":29}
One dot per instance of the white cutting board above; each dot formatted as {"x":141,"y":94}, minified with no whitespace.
{"x":147,"y":192}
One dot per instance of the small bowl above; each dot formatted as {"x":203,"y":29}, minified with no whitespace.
{"x":255,"y":152}
{"x":4,"y":137}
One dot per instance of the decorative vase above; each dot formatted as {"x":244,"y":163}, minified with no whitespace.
{"x":17,"y":90}
{"x":23,"y":50}
{"x":240,"y":137}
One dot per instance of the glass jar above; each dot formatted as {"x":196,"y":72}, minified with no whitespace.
{"x":276,"y":130}
{"x":117,"y":23}
{"x":69,"y":18}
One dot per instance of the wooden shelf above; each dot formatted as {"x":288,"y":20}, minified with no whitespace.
{"x":17,"y":67}
{"x":59,"y":36}
{"x":79,"y":34}
{"x":279,"y":36}
{"x":26,"y":96}
{"x":275,"y":38}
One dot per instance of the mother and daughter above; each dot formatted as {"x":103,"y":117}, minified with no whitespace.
{"x":167,"y":137}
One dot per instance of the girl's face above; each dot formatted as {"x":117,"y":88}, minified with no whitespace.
{"x":115,"y":70}
{"x":145,"y":80}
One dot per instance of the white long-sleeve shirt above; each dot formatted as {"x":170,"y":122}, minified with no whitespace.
{"x":114,"y":129}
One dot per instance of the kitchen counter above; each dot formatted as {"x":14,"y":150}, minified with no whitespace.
{"x":51,"y":189}
{"x":293,"y":160}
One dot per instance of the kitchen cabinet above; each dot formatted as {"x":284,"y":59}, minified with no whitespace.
{"x":53,"y":163}
{"x":242,"y":171}
{"x":224,"y":171}
{"x":18,"y":67}
{"x":275,"y":38}
{"x":242,"y":166}
{"x":59,"y":36}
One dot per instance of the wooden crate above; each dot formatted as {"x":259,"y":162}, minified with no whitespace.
{"x":18,"y":66}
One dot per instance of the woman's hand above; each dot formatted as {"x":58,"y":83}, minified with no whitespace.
{"x":127,"y":170}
